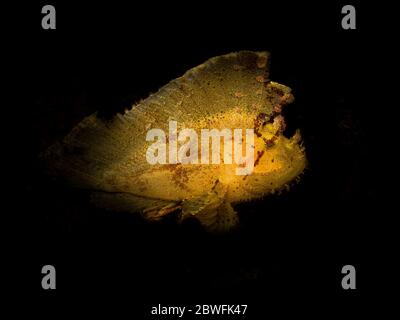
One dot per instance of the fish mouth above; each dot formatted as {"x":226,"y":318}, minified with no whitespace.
{"x":276,"y":126}
{"x":279,"y":125}
{"x":277,"y":121}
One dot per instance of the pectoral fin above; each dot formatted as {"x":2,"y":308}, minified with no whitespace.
{"x":212,"y":210}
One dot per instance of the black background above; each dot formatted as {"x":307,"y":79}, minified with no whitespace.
{"x":287,"y":256}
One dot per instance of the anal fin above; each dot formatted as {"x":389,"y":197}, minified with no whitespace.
{"x":212,"y":210}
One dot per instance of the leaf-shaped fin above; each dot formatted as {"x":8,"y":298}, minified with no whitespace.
{"x":222,"y":83}
{"x":213,"y":212}
{"x":218,"y":219}
{"x":193,"y":207}
{"x":89,"y":151}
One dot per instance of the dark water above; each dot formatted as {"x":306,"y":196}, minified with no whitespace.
{"x":287,"y":256}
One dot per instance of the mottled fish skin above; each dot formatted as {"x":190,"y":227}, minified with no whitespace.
{"x":229,"y":91}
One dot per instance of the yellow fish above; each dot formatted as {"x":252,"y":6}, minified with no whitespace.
{"x":134,"y":162}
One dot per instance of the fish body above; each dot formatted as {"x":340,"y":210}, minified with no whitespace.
{"x":229,"y":92}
